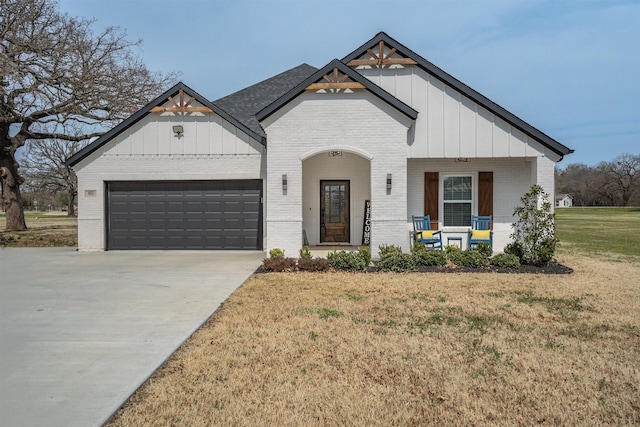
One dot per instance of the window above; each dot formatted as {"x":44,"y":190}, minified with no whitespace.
{"x":457,"y":201}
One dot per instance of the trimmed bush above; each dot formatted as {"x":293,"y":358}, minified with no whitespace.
{"x":276,"y":253}
{"x":389,"y":249}
{"x":451,"y":250}
{"x":428,"y":257}
{"x":365,"y":253}
{"x":347,"y":261}
{"x":315,"y":264}
{"x":279,"y":264}
{"x":515,"y":249}
{"x":484,"y":248}
{"x":505,"y":261}
{"x":397,"y":261}
{"x":305,"y":253}
{"x":473,"y":259}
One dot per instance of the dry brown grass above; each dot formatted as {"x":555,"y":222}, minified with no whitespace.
{"x":44,"y":230}
{"x":412,"y":349}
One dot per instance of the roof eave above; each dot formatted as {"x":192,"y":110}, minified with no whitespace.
{"x":138,"y":115}
{"x":472,"y":94}
{"x":357,"y":77}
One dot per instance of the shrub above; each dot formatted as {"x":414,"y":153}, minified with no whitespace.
{"x":397,"y":261}
{"x":315,"y":264}
{"x":534,"y":230}
{"x":349,"y":261}
{"x":469,"y":258}
{"x":515,"y":249}
{"x":365,"y":253}
{"x":505,"y":261}
{"x":305,"y":253}
{"x":388,"y":249}
{"x":279,"y":264}
{"x":451,"y":250}
{"x":276,"y":253}
{"x":428,"y":257}
{"x":484,"y":248}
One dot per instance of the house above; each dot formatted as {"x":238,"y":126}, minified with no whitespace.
{"x":564,"y":200}
{"x":306,"y":155}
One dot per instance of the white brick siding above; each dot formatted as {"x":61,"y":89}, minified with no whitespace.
{"x":163,"y":157}
{"x":512,"y":177}
{"x":348,"y":166}
{"x":314,"y":121}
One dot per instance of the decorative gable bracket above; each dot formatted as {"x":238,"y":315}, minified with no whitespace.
{"x":381,"y":59}
{"x":181,"y":106}
{"x":335,"y":81}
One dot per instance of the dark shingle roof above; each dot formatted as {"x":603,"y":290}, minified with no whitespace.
{"x":244,"y":104}
{"x":345,"y":70}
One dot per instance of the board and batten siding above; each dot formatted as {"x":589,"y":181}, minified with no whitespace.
{"x":449,"y":124}
{"x":210,"y":149}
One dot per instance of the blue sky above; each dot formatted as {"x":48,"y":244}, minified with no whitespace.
{"x":569,"y":68}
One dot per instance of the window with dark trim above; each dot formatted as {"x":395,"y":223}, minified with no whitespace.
{"x":457,"y":192}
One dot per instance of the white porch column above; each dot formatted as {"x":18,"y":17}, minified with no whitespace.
{"x":542,"y":173}
{"x":389,"y":208}
{"x":283,"y":208}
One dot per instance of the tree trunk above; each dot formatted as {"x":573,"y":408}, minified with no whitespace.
{"x":11,"y":197}
{"x":71,"y":206}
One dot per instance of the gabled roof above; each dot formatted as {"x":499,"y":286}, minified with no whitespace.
{"x":353,"y":75}
{"x":451,"y":81}
{"x":244,"y":104}
{"x":160,"y":100}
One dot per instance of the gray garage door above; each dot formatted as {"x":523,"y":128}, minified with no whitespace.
{"x":184,"y":215}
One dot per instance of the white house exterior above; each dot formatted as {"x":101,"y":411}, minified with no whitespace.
{"x":297,"y":156}
{"x":564,"y":200}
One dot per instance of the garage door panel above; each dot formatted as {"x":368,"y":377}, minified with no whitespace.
{"x":184,"y":215}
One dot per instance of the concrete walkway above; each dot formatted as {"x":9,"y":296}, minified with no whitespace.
{"x":80,"y":332}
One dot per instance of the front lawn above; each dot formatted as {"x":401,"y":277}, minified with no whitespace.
{"x":600,"y":230}
{"x":410,"y":349}
{"x":45,"y":229}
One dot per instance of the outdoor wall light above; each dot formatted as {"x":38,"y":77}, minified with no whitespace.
{"x":178,"y":130}
{"x":284,"y":182}
{"x":388,"y":181}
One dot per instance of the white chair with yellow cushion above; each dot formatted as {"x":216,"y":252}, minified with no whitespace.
{"x":423,"y":233}
{"x":481,"y":231}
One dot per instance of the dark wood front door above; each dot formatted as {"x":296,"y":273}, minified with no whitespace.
{"x":334,"y":211}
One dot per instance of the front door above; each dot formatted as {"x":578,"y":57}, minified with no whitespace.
{"x":334,"y":211}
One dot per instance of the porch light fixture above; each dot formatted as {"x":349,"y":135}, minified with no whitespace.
{"x":388,"y":182}
{"x":284,"y":182}
{"x":178,"y":130}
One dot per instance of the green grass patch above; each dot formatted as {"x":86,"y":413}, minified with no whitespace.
{"x":600,"y":230}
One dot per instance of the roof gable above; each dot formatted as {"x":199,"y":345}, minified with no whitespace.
{"x":369,"y":47}
{"x":156,"y":106}
{"x":351,"y":80}
{"x":245,"y":103}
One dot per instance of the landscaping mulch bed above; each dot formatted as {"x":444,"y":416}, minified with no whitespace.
{"x":552,"y":267}
{"x":549,"y":268}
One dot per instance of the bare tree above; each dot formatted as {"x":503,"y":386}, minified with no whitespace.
{"x":623,"y":177}
{"x":56,"y":76}
{"x":46,"y":170}
{"x":613,"y":183}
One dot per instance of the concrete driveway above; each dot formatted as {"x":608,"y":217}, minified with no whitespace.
{"x":80,"y":332}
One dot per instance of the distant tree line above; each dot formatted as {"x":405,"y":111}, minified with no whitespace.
{"x":614,"y":183}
